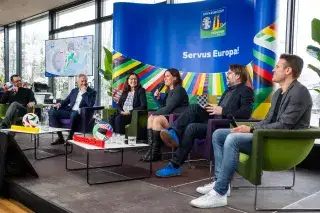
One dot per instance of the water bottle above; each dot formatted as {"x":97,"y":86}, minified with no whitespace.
{"x":45,"y":119}
{"x":97,"y":118}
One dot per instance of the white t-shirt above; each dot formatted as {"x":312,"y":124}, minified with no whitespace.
{"x":78,"y":101}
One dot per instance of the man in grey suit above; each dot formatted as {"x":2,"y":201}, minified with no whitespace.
{"x":290,"y":109}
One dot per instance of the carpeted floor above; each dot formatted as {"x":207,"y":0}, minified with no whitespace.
{"x":70,"y":190}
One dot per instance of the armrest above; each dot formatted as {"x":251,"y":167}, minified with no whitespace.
{"x":310,"y":133}
{"x":107,"y":112}
{"x":150,"y":111}
{"x":173,"y":118}
{"x":214,"y":124}
{"x":83,"y":109}
{"x":87,"y":112}
{"x":3,"y":109}
{"x":133,"y":128}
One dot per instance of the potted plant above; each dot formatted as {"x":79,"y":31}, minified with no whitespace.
{"x":314,"y":51}
{"x":107,"y":71}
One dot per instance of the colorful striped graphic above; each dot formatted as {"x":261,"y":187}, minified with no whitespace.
{"x":264,"y":53}
{"x":196,"y":84}
{"x":150,"y":77}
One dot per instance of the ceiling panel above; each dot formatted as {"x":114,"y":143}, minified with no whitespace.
{"x":15,"y":10}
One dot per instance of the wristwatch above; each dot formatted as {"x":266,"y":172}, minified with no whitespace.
{"x":252,"y":129}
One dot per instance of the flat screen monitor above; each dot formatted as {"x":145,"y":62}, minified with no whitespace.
{"x":69,"y":56}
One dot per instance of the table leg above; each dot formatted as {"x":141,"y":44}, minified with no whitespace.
{"x":36,"y":141}
{"x":87,"y":168}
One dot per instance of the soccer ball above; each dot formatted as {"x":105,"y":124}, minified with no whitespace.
{"x":30,"y":120}
{"x":101,"y":130}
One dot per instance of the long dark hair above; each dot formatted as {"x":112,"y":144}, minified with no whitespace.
{"x":127,"y":88}
{"x":175,"y":73}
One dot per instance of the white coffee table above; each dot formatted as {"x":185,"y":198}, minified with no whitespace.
{"x":90,"y":148}
{"x":35,"y":137}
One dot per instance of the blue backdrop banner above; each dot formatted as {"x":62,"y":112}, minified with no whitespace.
{"x":202,"y":37}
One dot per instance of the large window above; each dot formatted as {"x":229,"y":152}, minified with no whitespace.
{"x":12,"y":51}
{"x":108,"y":4}
{"x":85,"y":12}
{"x":63,"y":85}
{"x":34,"y":34}
{"x":106,"y":38}
{"x":281,"y":28}
{"x":78,"y":14}
{"x":308,"y":49}
{"x":1,"y":56}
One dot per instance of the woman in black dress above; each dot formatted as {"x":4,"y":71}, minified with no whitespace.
{"x":175,"y":101}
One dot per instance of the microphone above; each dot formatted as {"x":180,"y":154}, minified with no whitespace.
{"x":232,"y":120}
{"x":161,"y":86}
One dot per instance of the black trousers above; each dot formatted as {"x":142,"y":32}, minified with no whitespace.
{"x":191,"y":124}
{"x":119,"y":122}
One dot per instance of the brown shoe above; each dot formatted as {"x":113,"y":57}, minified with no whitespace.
{"x":58,"y":141}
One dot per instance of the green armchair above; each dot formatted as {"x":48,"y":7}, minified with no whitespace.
{"x":107,"y":113}
{"x":276,"y":150}
{"x":4,"y":107}
{"x":3,"y":110}
{"x":138,"y":125}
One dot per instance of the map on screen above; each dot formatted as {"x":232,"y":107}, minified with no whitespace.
{"x":69,"y":56}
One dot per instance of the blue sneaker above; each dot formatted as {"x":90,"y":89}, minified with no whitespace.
{"x":168,"y":171}
{"x":169,"y":137}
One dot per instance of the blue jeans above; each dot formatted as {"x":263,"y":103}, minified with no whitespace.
{"x":226,"y":146}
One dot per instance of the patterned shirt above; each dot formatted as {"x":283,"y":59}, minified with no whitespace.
{"x":128,"y":104}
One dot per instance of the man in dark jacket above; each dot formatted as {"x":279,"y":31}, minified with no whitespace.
{"x":19,"y":99}
{"x":83,"y":96}
{"x":193,"y":122}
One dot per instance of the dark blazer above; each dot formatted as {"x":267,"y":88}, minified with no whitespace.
{"x":139,"y":100}
{"x":294,"y":111}
{"x":240,"y":104}
{"x":175,"y":101}
{"x":88,"y":99}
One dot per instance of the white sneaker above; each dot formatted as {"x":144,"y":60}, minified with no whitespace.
{"x":210,"y":200}
{"x":208,"y":187}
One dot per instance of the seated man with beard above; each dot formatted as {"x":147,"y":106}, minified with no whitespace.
{"x":193,"y":122}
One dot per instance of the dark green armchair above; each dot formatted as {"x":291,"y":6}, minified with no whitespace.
{"x":138,"y":125}
{"x":276,"y":150}
{"x":107,"y":113}
{"x":3,"y":110}
{"x":4,"y":107}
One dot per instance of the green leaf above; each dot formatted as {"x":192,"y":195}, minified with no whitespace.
{"x":316,"y":89}
{"x":314,"y":51}
{"x":315,"y":24}
{"x":108,"y":60}
{"x":317,"y":70}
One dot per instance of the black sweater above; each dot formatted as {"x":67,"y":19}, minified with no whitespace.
{"x":23,"y":96}
{"x":175,"y":101}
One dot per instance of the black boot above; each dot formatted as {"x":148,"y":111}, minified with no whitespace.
{"x":155,"y":154}
{"x":59,"y":140}
{"x":149,"y":139}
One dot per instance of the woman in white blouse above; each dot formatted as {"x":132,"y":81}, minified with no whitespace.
{"x":132,"y":98}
